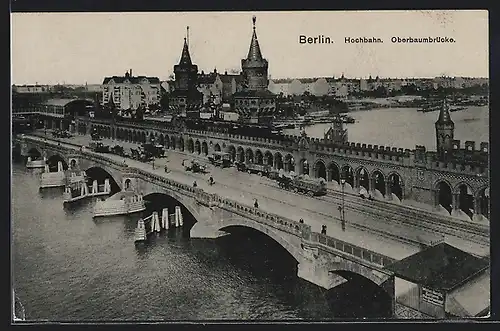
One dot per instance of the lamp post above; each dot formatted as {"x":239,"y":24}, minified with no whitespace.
{"x":342,"y":209}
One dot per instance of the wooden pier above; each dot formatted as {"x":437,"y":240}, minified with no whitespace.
{"x":153,"y":224}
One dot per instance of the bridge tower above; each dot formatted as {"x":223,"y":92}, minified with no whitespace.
{"x":445,"y":129}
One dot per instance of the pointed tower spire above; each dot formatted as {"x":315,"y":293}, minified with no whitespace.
{"x":444,"y":114}
{"x":185,"y":57}
{"x":254,"y":51}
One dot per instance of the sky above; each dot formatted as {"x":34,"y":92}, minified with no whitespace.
{"x":78,"y":48}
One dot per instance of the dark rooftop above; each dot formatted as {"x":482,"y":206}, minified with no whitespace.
{"x":440,"y":267}
{"x":254,"y":94}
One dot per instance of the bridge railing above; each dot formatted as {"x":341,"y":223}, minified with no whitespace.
{"x":273,"y":220}
{"x":362,"y":253}
{"x":287,"y":225}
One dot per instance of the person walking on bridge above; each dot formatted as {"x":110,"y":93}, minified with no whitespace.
{"x":256,"y":204}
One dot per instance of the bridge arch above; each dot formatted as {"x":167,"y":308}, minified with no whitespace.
{"x":443,"y":191}
{"x":197,"y":147}
{"x":232,"y":151}
{"x":465,"y":198}
{"x":161,"y":140}
{"x":34,"y":152}
{"x":204,"y":148}
{"x":320,"y":169}
{"x":54,"y":159}
{"x":217,"y":147}
{"x":240,"y":154}
{"x":379,"y":181}
{"x":179,"y":200}
{"x":333,"y":172}
{"x":249,"y":155}
{"x":289,"y":164}
{"x":396,"y":184}
{"x":304,"y":167}
{"x":379,"y":289}
{"x":363,"y":178}
{"x":181,"y":144}
{"x":278,"y":161}
{"x":259,"y":158}
{"x":348,"y":174}
{"x":100,"y":174}
{"x":190,"y":145}
{"x":292,"y":249}
{"x":483,"y":201}
{"x":268,"y":158}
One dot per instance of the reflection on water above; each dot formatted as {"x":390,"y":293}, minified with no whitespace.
{"x":406,"y":127}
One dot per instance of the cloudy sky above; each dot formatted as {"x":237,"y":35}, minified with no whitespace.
{"x":74,"y":48}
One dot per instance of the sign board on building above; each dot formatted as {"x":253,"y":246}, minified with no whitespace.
{"x":432,"y":297}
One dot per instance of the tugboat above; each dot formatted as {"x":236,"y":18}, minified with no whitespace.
{"x":18,"y":313}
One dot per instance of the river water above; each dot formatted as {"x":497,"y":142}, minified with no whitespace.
{"x":68,"y":266}
{"x":406,"y":127}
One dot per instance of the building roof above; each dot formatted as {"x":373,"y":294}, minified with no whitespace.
{"x":185,"y":57}
{"x":471,"y":299}
{"x":254,"y":53}
{"x":207,"y":78}
{"x":440,"y":267}
{"x":444,"y":114}
{"x":254,"y":94}
{"x":132,"y":79}
{"x":63,"y":102}
{"x":226,"y":78}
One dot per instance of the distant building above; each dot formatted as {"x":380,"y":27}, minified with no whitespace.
{"x":30,"y":88}
{"x":230,"y":85}
{"x":131,"y":92}
{"x":211,"y":86}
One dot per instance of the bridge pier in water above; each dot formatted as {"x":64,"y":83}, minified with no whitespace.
{"x":155,"y":224}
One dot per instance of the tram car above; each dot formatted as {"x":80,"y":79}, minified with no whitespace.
{"x":220,"y":159}
{"x":304,"y":185}
{"x":260,"y":169}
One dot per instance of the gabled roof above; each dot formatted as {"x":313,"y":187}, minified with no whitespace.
{"x":440,"y":267}
{"x":132,"y":80}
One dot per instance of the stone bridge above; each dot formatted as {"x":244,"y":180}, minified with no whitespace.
{"x":388,"y":174}
{"x":321,"y":259}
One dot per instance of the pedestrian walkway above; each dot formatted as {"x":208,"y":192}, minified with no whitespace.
{"x":245,"y":188}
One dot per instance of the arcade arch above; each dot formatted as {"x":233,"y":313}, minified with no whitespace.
{"x":197,"y":147}
{"x":320,"y":170}
{"x":465,"y":199}
{"x":348,"y":175}
{"x":190,"y":145}
{"x":204,"y":148}
{"x":259,"y":159}
{"x":278,"y":161}
{"x":444,"y":196}
{"x":379,"y":182}
{"x":395,"y":185}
